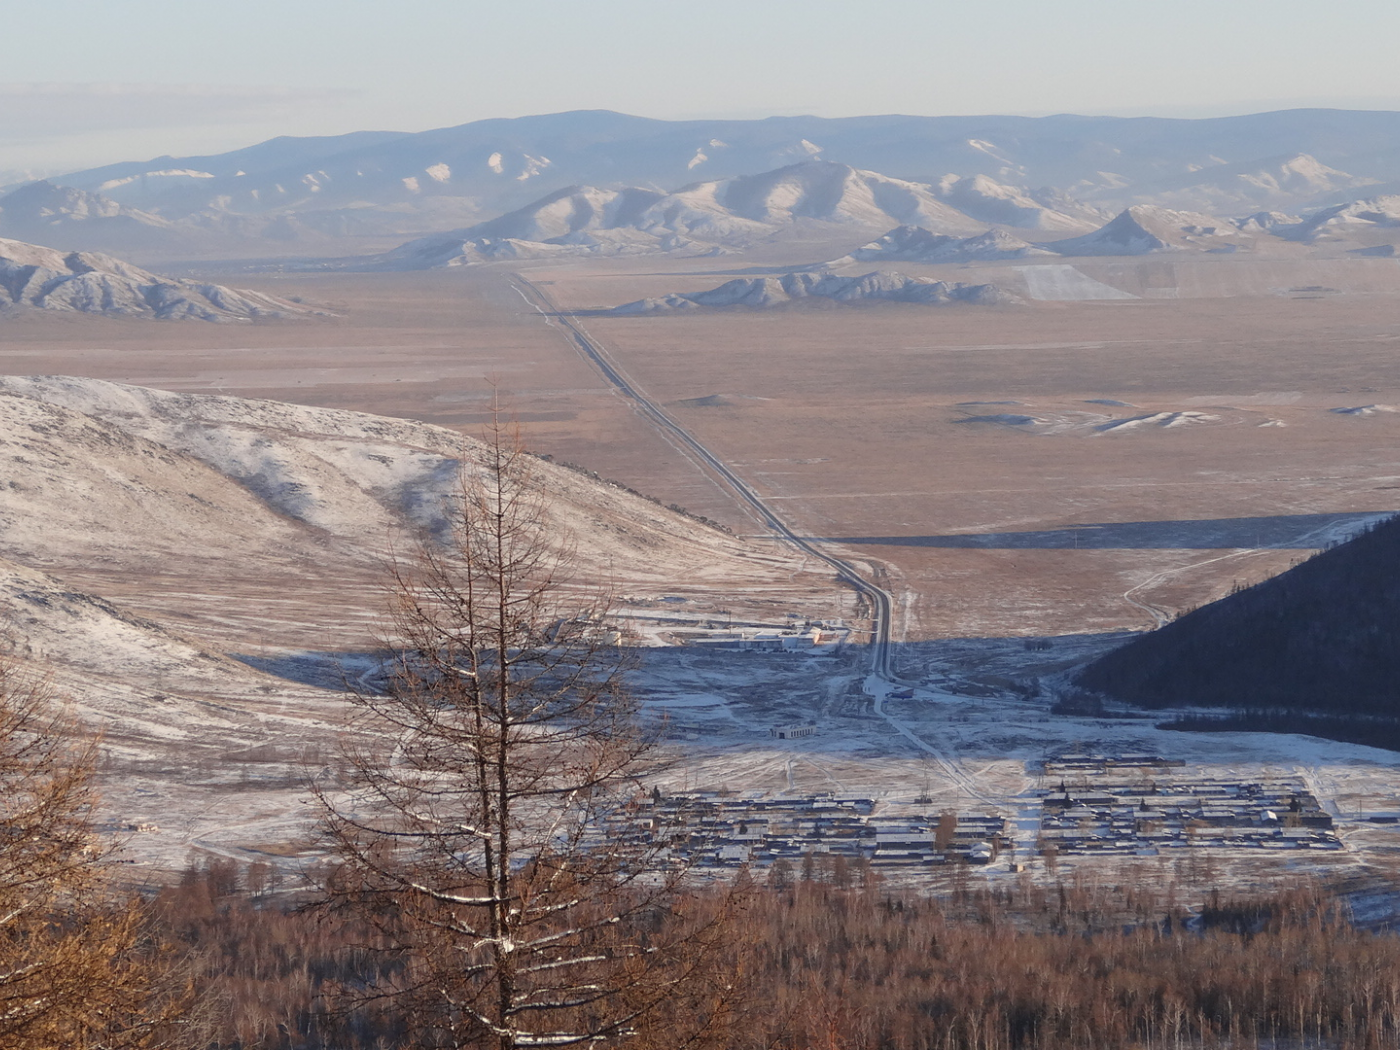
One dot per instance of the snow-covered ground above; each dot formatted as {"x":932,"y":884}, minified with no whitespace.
{"x":972,"y":738}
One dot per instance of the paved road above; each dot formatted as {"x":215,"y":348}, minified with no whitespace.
{"x":880,"y":600}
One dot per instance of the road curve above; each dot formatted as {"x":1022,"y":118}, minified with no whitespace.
{"x":881,"y":603}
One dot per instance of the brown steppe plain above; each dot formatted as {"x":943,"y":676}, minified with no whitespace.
{"x":893,"y":425}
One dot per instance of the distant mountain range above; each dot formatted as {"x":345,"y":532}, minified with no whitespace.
{"x":822,"y":197}
{"x":731,"y":212}
{"x":387,"y":183}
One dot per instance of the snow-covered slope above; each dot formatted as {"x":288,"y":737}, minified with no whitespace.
{"x":33,"y":277}
{"x":124,"y":475}
{"x":1267,"y":222}
{"x":916,"y":244}
{"x":880,"y":286}
{"x":1143,"y":229}
{"x":990,"y":201}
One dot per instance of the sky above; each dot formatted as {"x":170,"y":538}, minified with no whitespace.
{"x":91,"y":82}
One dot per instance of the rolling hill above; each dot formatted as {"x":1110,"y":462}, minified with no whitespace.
{"x":1295,"y":182}
{"x":201,"y":575}
{"x":45,"y":213}
{"x":122,"y":475}
{"x":1145,"y":229}
{"x":1346,"y":220}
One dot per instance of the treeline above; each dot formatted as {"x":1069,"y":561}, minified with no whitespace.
{"x":860,"y":966}
{"x":1317,"y":638}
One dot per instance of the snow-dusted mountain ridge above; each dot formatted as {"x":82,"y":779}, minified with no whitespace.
{"x":1144,"y":229}
{"x":504,"y":163}
{"x":37,"y":278}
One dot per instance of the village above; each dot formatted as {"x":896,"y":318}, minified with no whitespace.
{"x":717,"y":829}
{"x":1086,"y":805}
{"x":1144,"y":804}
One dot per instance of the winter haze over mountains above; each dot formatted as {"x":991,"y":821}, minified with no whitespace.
{"x":596,"y":181}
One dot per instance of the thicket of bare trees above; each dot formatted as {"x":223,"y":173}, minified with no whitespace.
{"x":1144,"y":964}
{"x":78,"y":965}
{"x":466,"y":834}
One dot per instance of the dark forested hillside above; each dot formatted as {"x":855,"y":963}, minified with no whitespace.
{"x":1323,"y":637}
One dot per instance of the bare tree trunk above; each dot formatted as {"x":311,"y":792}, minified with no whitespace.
{"x":470,"y":831}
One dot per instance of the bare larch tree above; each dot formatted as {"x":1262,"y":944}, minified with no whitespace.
{"x":468,"y":823}
{"x":78,"y":966}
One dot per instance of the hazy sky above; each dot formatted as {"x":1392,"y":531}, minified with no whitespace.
{"x":92,"y":81}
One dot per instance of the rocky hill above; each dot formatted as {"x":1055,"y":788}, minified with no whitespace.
{"x":1318,"y":639}
{"x":916,"y":244}
{"x":1145,"y":229}
{"x":879,"y":286}
{"x":37,"y":278}
{"x":1343,"y":221}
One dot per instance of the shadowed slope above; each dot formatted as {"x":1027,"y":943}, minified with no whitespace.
{"x":1320,"y":637}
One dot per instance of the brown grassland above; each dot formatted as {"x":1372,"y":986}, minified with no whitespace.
{"x":854,"y":419}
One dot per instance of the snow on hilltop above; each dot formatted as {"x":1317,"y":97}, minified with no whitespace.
{"x":1373,"y":213}
{"x":1267,"y":222}
{"x":33,"y":277}
{"x":993,"y":202}
{"x":884,"y":285}
{"x":916,"y":244}
{"x":1143,"y":229}
{"x":1301,"y":175}
{"x":735,"y":212}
